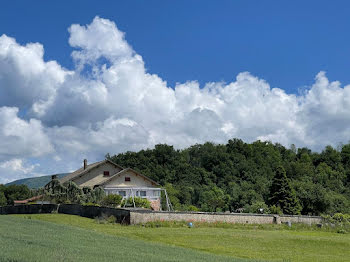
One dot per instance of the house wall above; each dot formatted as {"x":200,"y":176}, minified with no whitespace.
{"x":135,"y":181}
{"x":151,"y":193}
{"x":95,"y":176}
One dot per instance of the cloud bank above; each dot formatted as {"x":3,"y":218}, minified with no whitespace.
{"x":52,"y":117}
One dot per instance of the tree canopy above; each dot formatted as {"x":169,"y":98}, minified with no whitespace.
{"x":239,"y":175}
{"x":235,"y":176}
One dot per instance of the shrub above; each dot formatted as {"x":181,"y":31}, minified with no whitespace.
{"x":139,"y":202}
{"x":184,"y":207}
{"x":191,"y":208}
{"x":341,"y":231}
{"x":340,"y":222}
{"x":338,"y":218}
{"x":275,"y":210}
{"x":257,"y":206}
{"x":91,"y":204}
{"x":341,"y":218}
{"x":112,"y":200}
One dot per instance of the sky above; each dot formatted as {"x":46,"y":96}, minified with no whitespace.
{"x":79,"y":79}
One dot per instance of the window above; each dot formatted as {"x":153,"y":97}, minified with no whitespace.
{"x":156,"y":193}
{"x":122,"y":193}
{"x":105,"y":173}
{"x":142,"y":193}
{"x":127,"y":179}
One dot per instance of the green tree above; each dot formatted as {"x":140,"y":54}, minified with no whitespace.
{"x":312,"y":197}
{"x":93,"y":196}
{"x":3,"y":200}
{"x":282,"y":194}
{"x":16,"y":192}
{"x":98,"y":194}
{"x":214,"y":199}
{"x":74,"y":193}
{"x":173,"y":194}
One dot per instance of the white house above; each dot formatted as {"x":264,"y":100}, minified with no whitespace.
{"x":115,"y":179}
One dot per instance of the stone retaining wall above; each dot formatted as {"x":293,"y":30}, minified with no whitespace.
{"x":130,"y":216}
{"x":141,"y":217}
{"x":301,"y":219}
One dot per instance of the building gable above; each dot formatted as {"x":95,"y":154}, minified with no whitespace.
{"x":108,"y":174}
{"x":96,"y":175}
{"x":129,"y":178}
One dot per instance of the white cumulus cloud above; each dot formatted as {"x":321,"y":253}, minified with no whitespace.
{"x":110,"y":103}
{"x":16,"y":169}
{"x":21,"y":138}
{"x":26,"y":80}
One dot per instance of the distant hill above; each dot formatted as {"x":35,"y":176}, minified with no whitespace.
{"x":35,"y":182}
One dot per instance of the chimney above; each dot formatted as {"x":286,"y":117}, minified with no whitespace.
{"x":85,"y":163}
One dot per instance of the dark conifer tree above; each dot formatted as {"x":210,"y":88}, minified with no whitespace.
{"x":282,"y":195}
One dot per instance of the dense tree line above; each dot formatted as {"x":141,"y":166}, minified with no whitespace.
{"x":256,"y":177}
{"x":13,"y":192}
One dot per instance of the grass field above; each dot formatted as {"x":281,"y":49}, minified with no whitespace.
{"x":269,"y":243}
{"x":34,"y":240}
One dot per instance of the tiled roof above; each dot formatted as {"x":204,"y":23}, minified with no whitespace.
{"x":25,"y":201}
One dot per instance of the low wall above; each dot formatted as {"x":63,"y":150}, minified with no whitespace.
{"x":121,"y":215}
{"x":28,"y":209}
{"x":301,"y":219}
{"x":142,"y":216}
{"x":130,"y":216}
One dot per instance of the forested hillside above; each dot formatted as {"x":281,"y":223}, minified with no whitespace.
{"x":239,"y":175}
{"x":35,"y":182}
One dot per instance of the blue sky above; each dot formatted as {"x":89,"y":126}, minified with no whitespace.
{"x":79,"y":79}
{"x":284,"y":42}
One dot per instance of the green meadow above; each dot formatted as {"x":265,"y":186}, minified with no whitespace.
{"x":73,"y":238}
{"x":24,"y":239}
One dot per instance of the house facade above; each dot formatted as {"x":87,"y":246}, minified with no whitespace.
{"x":115,"y":179}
